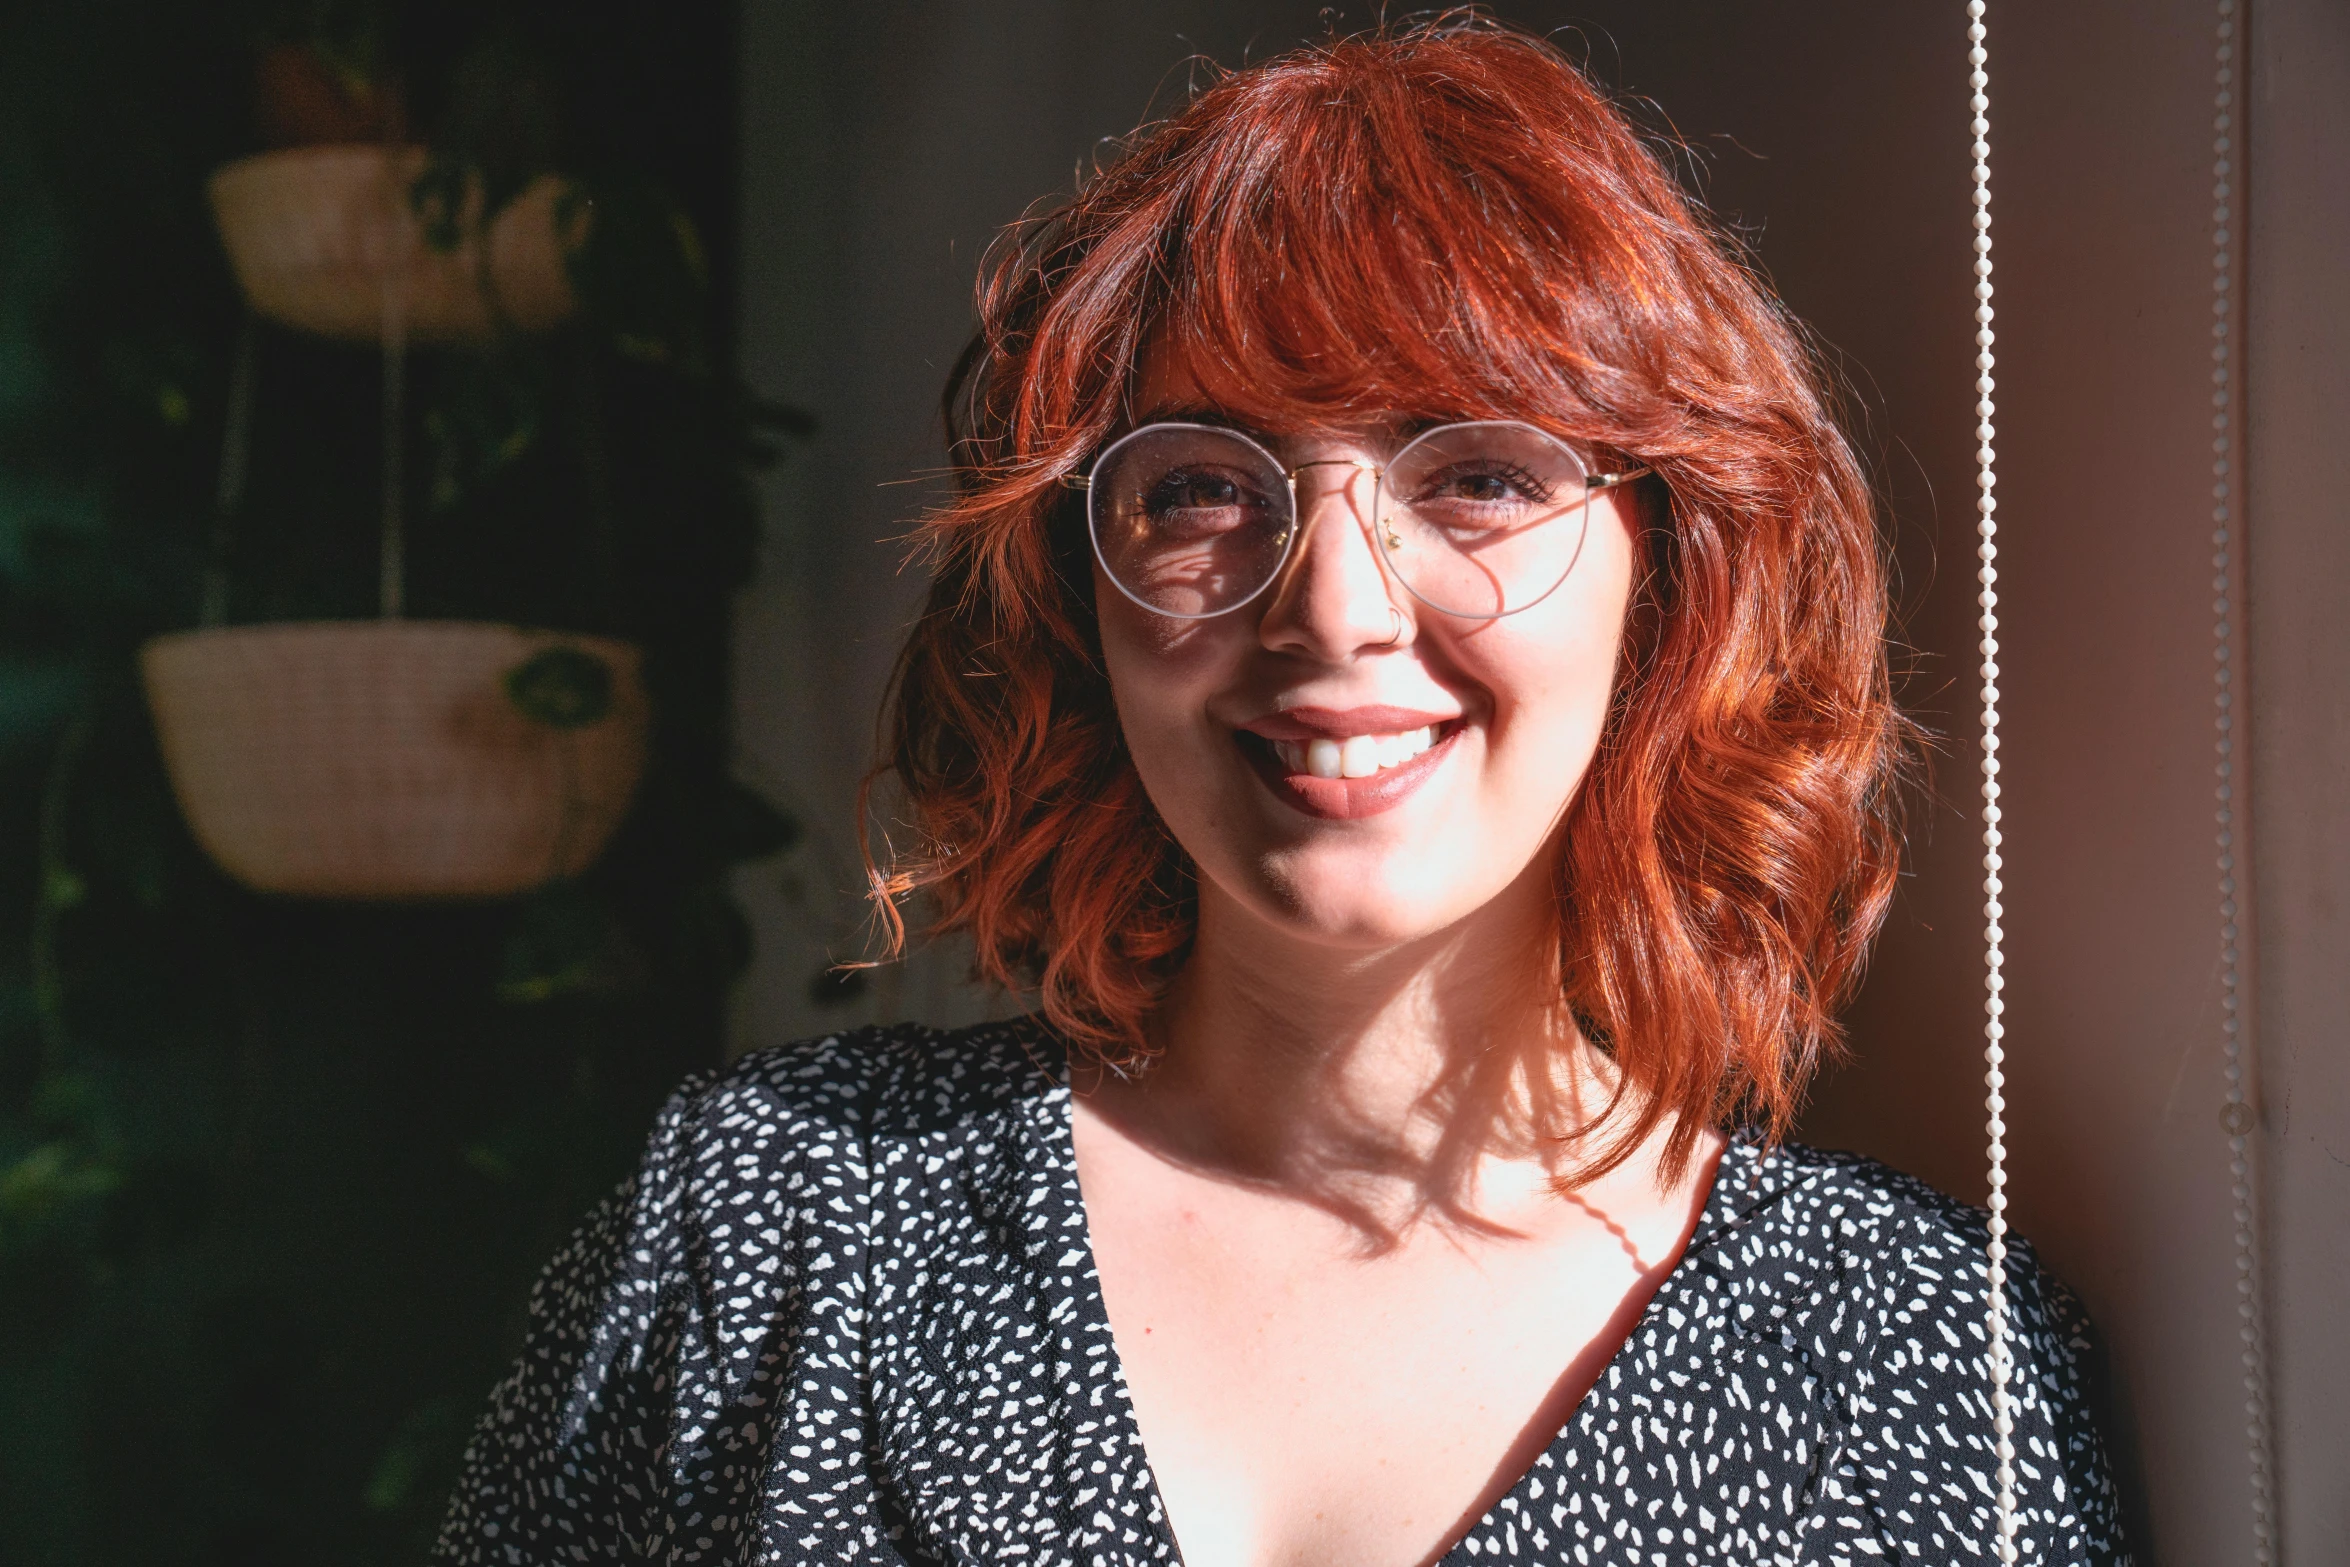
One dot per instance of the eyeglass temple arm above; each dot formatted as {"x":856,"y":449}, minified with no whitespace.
{"x":1608,"y":481}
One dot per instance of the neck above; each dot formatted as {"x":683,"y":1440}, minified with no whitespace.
{"x":1441,"y":1079}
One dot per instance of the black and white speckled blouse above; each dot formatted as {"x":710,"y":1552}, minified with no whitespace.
{"x":847,"y":1312}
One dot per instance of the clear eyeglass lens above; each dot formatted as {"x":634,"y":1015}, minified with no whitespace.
{"x":1190,"y":520}
{"x":1479,"y":520}
{"x":1483,"y":519}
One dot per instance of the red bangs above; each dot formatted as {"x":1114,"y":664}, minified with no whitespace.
{"x":1442,"y":221}
{"x":1347,"y":232}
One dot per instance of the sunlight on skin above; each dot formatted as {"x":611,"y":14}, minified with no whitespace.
{"x":1351,"y":1301}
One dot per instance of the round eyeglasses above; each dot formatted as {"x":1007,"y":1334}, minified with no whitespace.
{"x":1479,"y":520}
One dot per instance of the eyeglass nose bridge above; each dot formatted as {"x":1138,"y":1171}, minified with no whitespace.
{"x":1297,"y":505}
{"x":1358,"y":464}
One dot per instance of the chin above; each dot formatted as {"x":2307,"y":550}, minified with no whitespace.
{"x":1337,"y":900}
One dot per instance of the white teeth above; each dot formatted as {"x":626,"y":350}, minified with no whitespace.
{"x":1357,"y":756}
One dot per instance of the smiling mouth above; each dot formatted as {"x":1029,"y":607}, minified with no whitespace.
{"x":1350,"y":777}
{"x":1358,"y":756}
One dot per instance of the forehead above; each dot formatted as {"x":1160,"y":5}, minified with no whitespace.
{"x":1171,"y":383}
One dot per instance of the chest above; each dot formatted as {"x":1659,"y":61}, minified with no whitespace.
{"x":1311,"y":1391}
{"x":952,"y":1377}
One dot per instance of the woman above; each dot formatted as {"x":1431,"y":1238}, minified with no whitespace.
{"x":1405,"y":690}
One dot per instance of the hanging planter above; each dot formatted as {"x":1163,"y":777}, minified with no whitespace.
{"x":398,"y":759}
{"x":391,"y":759}
{"x":316,"y":234}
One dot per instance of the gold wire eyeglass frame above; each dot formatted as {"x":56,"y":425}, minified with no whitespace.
{"x":1593,"y":483}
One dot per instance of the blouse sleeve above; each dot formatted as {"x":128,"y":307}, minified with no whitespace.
{"x":564,"y":1466}
{"x":1917,"y":1478}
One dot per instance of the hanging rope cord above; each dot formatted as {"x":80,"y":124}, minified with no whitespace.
{"x":1994,"y":958}
{"x":2237,"y":1116}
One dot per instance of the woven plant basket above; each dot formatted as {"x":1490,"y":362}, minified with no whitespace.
{"x":392,"y":760}
{"x":312,"y":232}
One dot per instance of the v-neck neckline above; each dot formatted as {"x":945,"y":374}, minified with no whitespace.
{"x":1734,"y":1190}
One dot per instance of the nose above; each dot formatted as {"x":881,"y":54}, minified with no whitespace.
{"x":1334,"y":598}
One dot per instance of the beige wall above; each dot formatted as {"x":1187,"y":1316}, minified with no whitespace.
{"x":2104,"y":175}
{"x":883,"y":146}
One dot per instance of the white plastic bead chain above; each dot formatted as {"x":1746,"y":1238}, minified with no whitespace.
{"x":2237,"y":1117}
{"x":1994,"y":1054}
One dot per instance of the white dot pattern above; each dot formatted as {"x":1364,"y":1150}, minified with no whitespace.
{"x":847,"y":1312}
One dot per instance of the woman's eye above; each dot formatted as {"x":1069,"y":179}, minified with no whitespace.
{"x":1192,"y":493}
{"x":1467,"y":496}
{"x":1191,"y":502}
{"x":1487,"y":487}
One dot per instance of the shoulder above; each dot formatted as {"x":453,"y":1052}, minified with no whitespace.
{"x":786,"y":1143}
{"x":853,"y":1088}
{"x":758,"y":1170}
{"x":1900,"y":1263}
{"x":1877,"y":1287}
{"x":1817,"y":1202}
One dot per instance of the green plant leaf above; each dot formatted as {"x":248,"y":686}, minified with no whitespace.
{"x":563,"y":941}
{"x":426,"y":1443}
{"x":562,"y":687}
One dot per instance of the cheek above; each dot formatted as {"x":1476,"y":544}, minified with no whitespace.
{"x":1552,"y":673}
{"x":1552,"y":683}
{"x":1557,"y":686}
{"x":1161,"y":672}
{"x":1550,"y":705}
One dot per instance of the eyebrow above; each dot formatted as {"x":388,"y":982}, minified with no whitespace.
{"x":1400,"y":431}
{"x":1203,"y":413}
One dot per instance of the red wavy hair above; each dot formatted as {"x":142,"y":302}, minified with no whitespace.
{"x":1446,"y":220}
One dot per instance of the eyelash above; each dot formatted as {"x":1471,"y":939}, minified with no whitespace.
{"x":1533,"y":488}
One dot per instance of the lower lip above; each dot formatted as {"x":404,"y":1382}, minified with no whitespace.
{"x":1345,"y":799}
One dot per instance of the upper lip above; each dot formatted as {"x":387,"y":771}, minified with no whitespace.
{"x":1341,"y":723}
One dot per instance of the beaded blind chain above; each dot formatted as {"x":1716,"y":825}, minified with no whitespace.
{"x":2237,"y":1116}
{"x":1994,"y":1053}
